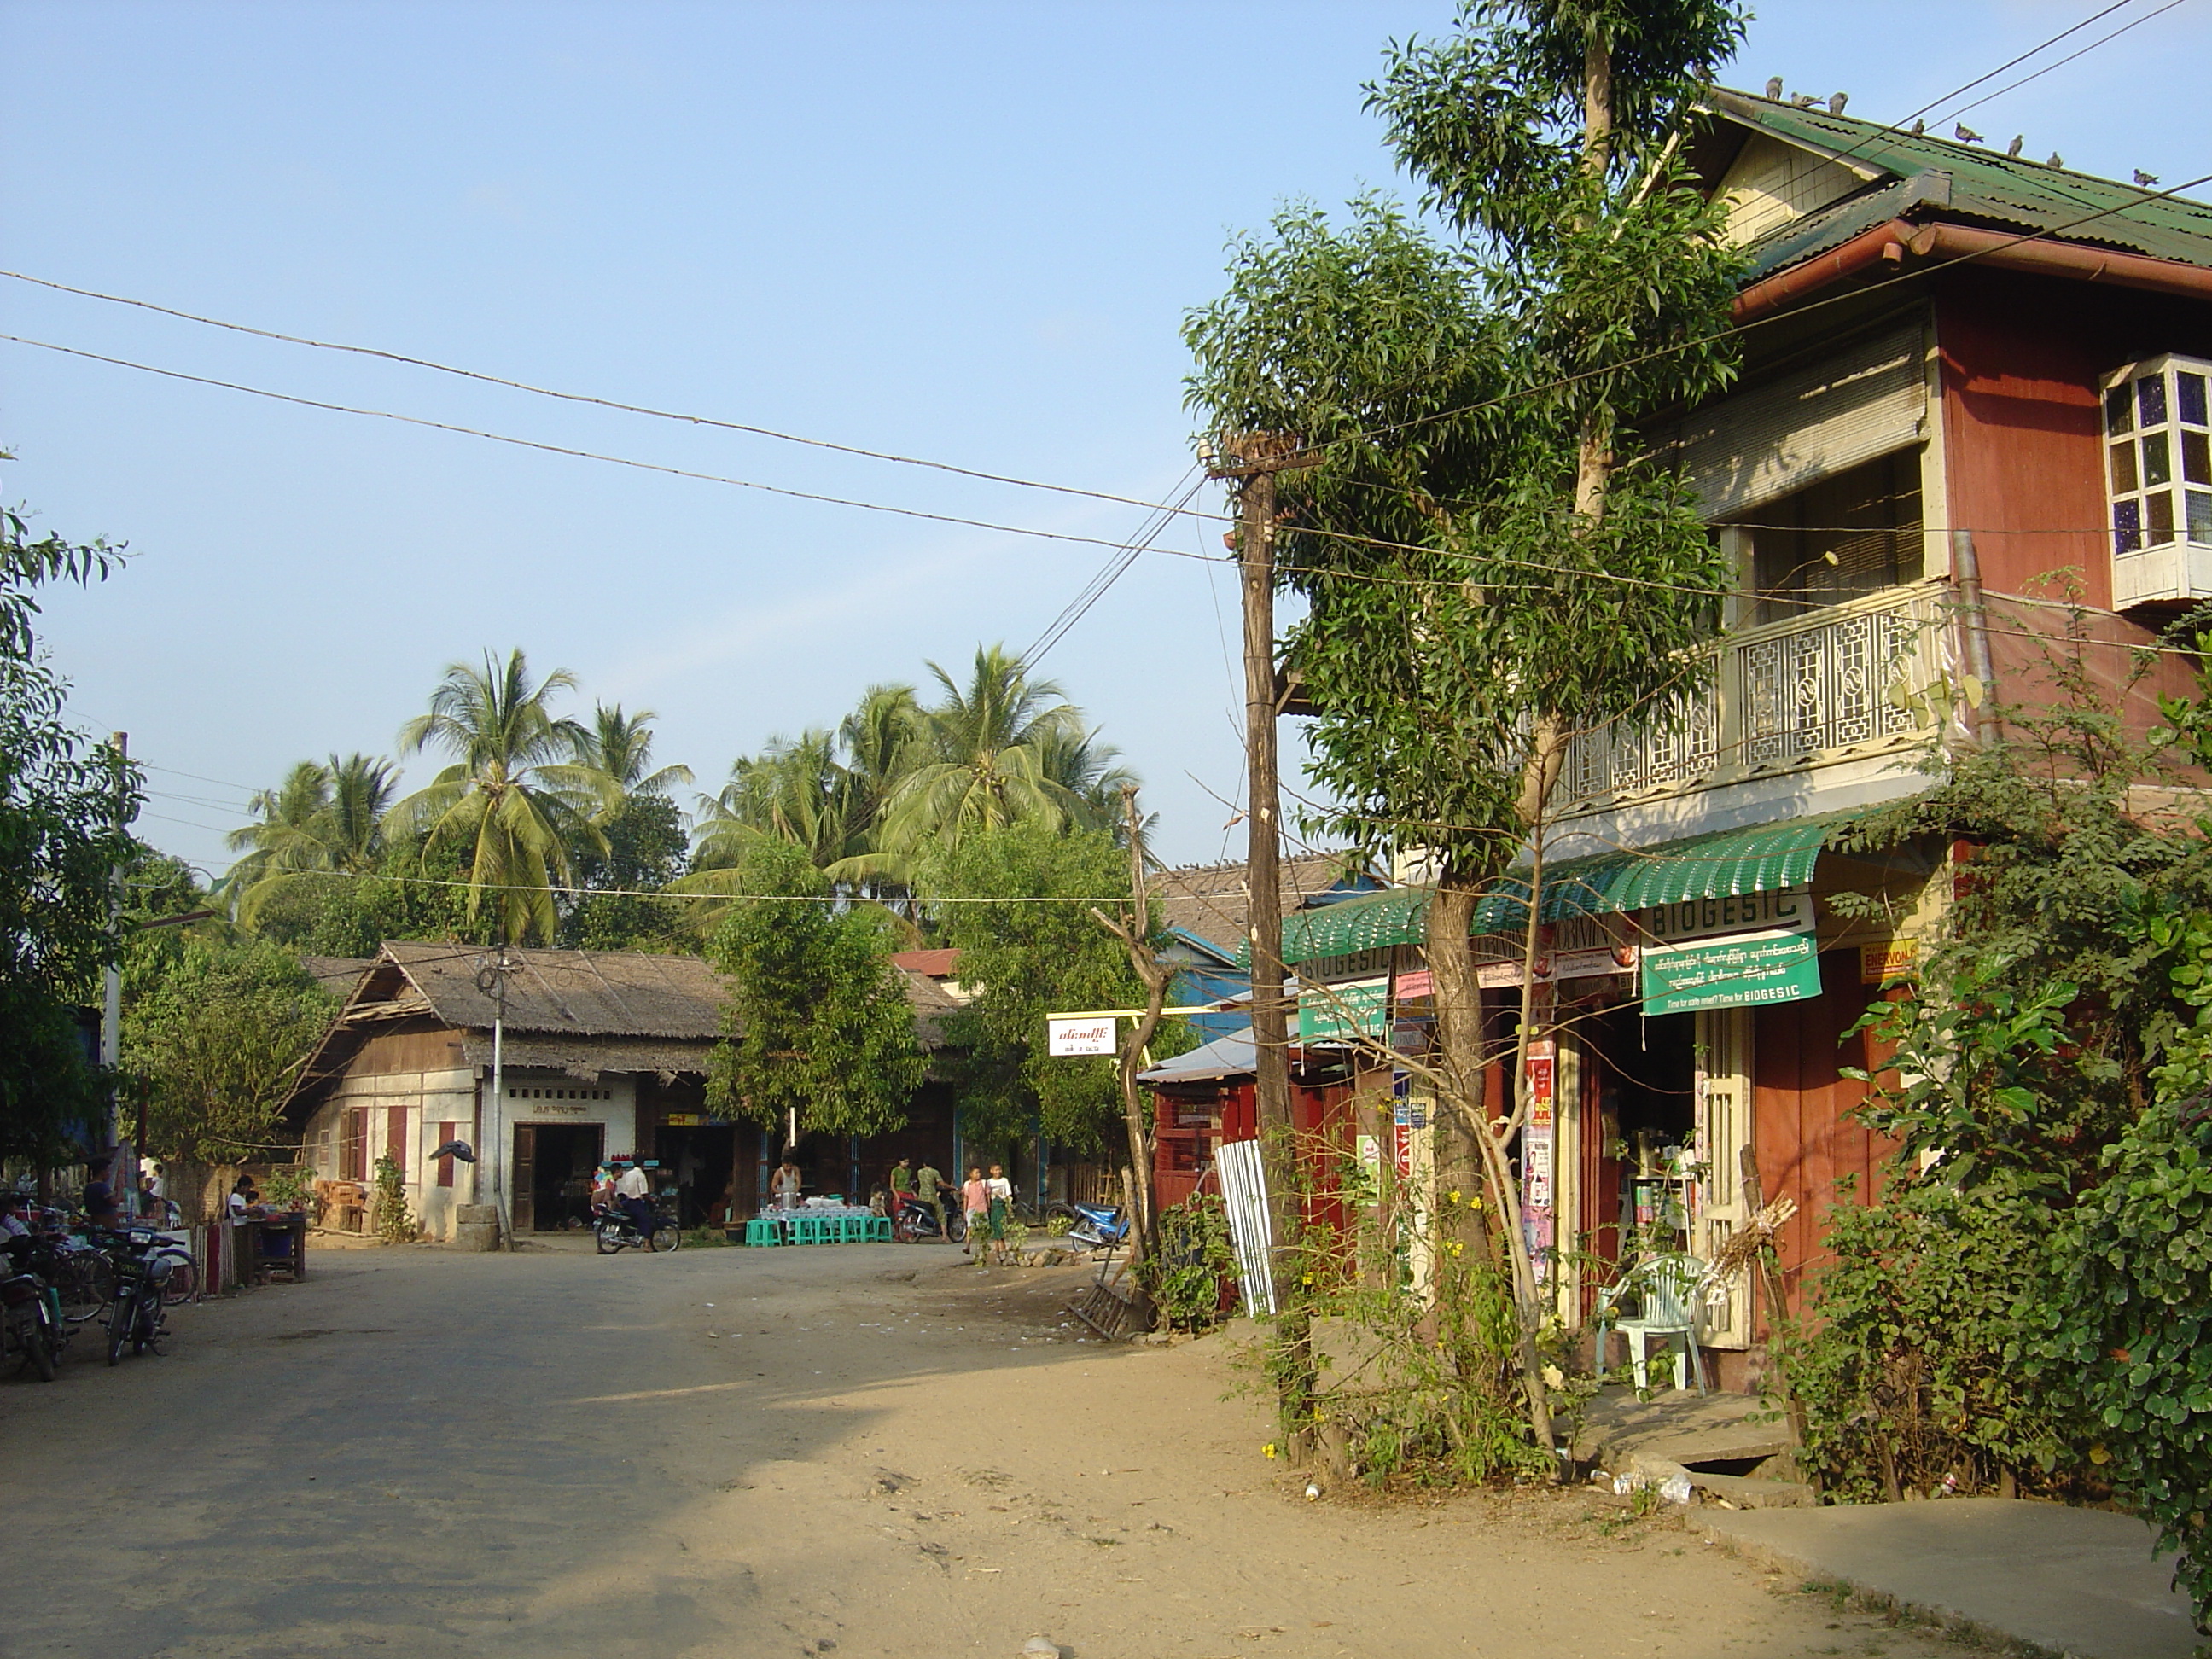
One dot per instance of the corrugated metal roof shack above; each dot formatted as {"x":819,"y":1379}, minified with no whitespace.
{"x":1207,"y":1098}
{"x":604,"y":1055}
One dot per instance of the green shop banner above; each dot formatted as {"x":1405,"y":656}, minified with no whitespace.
{"x":1337,"y":1013}
{"x":1740,"y":970}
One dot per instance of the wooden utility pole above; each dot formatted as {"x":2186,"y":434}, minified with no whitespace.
{"x":1254,"y":459}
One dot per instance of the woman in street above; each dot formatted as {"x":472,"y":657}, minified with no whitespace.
{"x":976,"y":1202}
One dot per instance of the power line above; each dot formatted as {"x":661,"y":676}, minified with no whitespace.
{"x":594,"y":455}
{"x":2060,"y":63}
{"x":680,"y":416}
{"x":1116,"y":567}
{"x":1898,"y":126}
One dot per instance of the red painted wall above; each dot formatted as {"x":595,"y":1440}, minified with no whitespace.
{"x":1805,"y":1140}
{"x":2022,"y":356}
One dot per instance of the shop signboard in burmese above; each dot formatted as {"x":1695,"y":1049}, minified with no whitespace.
{"x":1340,"y":1013}
{"x":1737,"y":970}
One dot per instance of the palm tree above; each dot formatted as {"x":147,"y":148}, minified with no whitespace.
{"x":510,"y":797}
{"x":1001,"y":749}
{"x":322,"y":818}
{"x":621,"y":745}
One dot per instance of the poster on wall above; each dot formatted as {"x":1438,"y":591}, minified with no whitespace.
{"x":1739,"y":970}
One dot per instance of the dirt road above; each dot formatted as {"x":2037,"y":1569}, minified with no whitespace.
{"x":854,"y":1450}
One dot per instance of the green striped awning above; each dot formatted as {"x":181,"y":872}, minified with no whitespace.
{"x":1723,"y":865}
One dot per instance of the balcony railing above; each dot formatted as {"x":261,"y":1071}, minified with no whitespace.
{"x":1845,"y":680}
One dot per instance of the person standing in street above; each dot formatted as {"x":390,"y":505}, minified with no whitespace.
{"x":975,"y":1201}
{"x":901,"y":1180}
{"x":929,"y":1190}
{"x":1000,"y":1191}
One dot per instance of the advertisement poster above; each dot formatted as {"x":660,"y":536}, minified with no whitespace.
{"x":1740,"y":970}
{"x":1331,"y":1013}
{"x":1068,"y":1039}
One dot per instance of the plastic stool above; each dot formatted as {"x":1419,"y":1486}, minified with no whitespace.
{"x":854,"y":1228}
{"x":880,"y":1229}
{"x":814,"y":1230}
{"x":764,"y":1230}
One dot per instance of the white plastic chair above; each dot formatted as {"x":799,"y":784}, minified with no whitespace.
{"x":1670,"y":1293}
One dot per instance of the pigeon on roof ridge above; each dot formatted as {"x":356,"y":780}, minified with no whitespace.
{"x":1966,"y":134}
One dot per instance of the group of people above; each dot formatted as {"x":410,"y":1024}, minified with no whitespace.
{"x":621,"y":1183}
{"x":986,"y":1201}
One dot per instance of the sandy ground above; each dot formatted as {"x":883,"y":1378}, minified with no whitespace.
{"x":861,"y":1449}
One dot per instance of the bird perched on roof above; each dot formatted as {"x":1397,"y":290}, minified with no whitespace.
{"x":2013,"y":148}
{"x":2142,"y":178}
{"x":2056,"y":161}
{"x":1919,"y":128}
{"x":1966,"y":134}
{"x":1804,"y":100}
{"x":1836,"y":102}
{"x":1774,"y":88}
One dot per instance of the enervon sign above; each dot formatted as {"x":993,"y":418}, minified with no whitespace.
{"x":1066,"y":1039}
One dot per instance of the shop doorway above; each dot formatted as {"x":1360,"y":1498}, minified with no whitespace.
{"x":1645,"y":1076}
{"x":553,"y":1165}
{"x":701,"y":1163}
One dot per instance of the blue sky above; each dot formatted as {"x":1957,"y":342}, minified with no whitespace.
{"x":963,"y":232}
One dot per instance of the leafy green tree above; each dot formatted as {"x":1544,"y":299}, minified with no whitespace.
{"x":617,"y":906}
{"x":1492,"y":561}
{"x":61,"y":798}
{"x":510,"y":799}
{"x":1032,"y":959}
{"x":819,"y":1031}
{"x":214,"y":1033}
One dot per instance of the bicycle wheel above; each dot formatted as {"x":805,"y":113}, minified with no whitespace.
{"x":184,"y":1283}
{"x":667,"y":1238}
{"x":86,"y":1280}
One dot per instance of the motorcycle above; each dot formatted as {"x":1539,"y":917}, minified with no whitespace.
{"x":613,"y":1231}
{"x":916,"y":1221}
{"x":1102,"y":1226}
{"x":29,"y":1324}
{"x":144,"y":1263}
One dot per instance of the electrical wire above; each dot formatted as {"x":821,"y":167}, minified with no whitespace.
{"x":680,"y":416}
{"x":1898,"y":127}
{"x":2060,"y":63}
{"x":1114,"y":568}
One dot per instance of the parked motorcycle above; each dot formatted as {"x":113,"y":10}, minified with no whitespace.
{"x":916,"y":1221}
{"x":1102,"y":1226}
{"x":143,"y":1266}
{"x":29,"y":1325}
{"x":612,"y":1230}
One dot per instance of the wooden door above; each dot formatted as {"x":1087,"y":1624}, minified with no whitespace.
{"x":1723,"y":1107}
{"x":523,"y":1199}
{"x":353,"y":1145}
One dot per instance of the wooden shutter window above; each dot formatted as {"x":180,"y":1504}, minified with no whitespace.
{"x":395,"y":1140}
{"x":1866,"y":400}
{"x":446,"y":1134}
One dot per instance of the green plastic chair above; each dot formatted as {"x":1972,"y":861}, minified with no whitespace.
{"x":814,"y":1230}
{"x":880,"y":1229}
{"x":764,"y":1230}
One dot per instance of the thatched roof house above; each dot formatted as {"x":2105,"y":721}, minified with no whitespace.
{"x":603,"y":1053}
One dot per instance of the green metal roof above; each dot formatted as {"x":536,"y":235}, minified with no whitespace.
{"x":1722,"y":865}
{"x":1933,"y":177}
